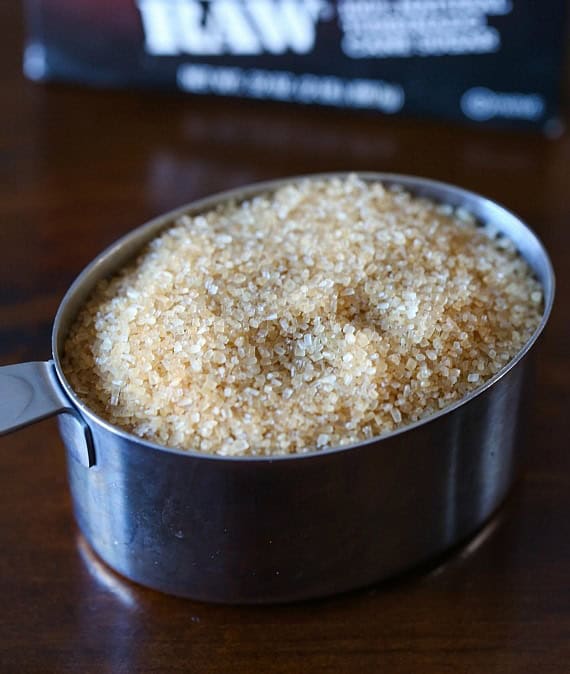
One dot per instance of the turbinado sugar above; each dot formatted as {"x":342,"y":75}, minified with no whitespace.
{"x":327,"y":312}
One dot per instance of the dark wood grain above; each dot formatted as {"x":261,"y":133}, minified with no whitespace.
{"x":78,"y":169}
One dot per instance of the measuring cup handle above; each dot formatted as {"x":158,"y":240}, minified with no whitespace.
{"x":31,"y":392}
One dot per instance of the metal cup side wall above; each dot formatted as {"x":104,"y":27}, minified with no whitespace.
{"x":256,"y":532}
{"x":259,"y":530}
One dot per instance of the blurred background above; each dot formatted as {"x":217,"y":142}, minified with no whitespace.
{"x":123,"y":114}
{"x":111,"y":141}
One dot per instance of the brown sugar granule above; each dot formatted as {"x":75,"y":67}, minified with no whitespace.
{"x":325,"y":313}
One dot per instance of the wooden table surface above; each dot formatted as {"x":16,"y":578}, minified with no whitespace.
{"x":78,"y":169}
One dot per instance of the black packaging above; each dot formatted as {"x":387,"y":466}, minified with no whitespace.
{"x":488,"y":62}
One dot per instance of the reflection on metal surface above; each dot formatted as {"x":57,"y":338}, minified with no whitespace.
{"x":465,"y":552}
{"x":483,"y":536}
{"x":105,"y":577}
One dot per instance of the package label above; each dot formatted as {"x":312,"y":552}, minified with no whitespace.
{"x":486,"y":61}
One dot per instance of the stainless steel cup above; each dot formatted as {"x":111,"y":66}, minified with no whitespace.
{"x":259,"y":529}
